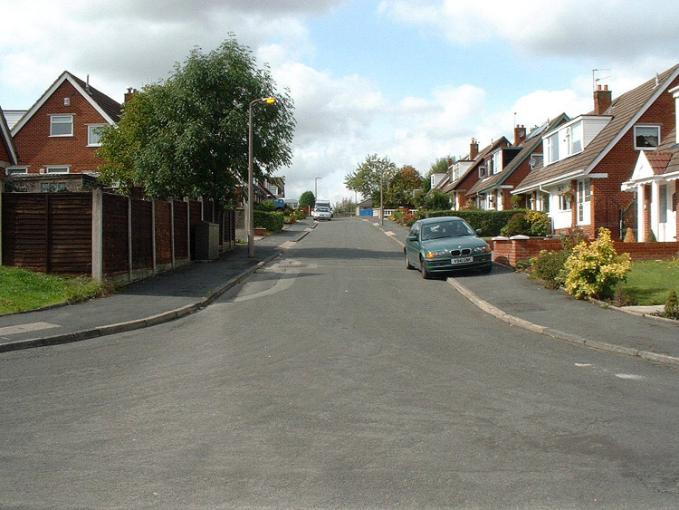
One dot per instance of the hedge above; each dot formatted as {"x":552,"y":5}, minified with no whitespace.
{"x":490,"y":222}
{"x":272,"y":221}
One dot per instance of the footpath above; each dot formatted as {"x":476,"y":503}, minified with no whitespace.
{"x":162,"y":298}
{"x":522,"y":302}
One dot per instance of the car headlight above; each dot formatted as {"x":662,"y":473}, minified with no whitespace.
{"x":436,"y":253}
{"x":482,"y":249}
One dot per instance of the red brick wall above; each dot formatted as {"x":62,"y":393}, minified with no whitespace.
{"x":607,"y":199}
{"x":37,"y":149}
{"x":4,"y":155}
{"x":511,"y":251}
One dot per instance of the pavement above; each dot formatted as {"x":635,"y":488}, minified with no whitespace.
{"x":524,"y":302}
{"x":335,"y":378}
{"x":166,"y":296}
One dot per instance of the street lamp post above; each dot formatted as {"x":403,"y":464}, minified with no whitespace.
{"x":250,"y":217}
{"x":316,"y":188}
{"x":382,"y":198}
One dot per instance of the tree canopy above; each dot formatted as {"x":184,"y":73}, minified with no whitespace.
{"x":402,"y":186}
{"x":367,"y":176}
{"x":440,"y":166}
{"x":188,"y":135}
{"x":307,"y":199}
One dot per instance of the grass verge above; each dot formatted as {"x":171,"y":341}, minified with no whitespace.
{"x":650,"y":281}
{"x":22,"y":290}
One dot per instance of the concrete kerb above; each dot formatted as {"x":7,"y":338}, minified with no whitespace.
{"x":122,"y":327}
{"x":663,"y":359}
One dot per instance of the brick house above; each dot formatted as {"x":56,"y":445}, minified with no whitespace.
{"x":506,"y":167}
{"x":654,"y":180}
{"x":465,"y":173}
{"x":8,"y":152}
{"x":587,"y":159}
{"x":60,"y":133}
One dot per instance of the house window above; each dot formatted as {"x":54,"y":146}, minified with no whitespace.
{"x":482,"y":171}
{"x":565,"y":201}
{"x":63,"y":169}
{"x":94,"y":134}
{"x":646,"y":137}
{"x":552,"y":148}
{"x":16,"y":170}
{"x":575,"y":139}
{"x":61,"y":125}
{"x":495,"y":163}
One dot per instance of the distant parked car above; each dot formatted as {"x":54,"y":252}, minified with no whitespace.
{"x":441,"y":245}
{"x":321,"y":213}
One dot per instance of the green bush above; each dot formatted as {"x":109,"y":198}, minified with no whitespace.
{"x":266,"y":205}
{"x":549,"y":266}
{"x":528,"y":223}
{"x":595,"y":269}
{"x":672,"y":306}
{"x":272,"y":221}
{"x":517,"y":225}
{"x":623,"y":296}
{"x":490,"y":222}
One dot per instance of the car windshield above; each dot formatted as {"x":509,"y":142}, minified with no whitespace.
{"x":449,"y":228}
{"x":322,"y":209}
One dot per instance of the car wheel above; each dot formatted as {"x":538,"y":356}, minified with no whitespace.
{"x":408,"y":264}
{"x":423,"y":270}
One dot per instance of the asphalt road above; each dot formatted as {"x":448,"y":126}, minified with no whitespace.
{"x":336,"y":379}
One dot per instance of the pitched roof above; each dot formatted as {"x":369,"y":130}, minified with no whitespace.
{"x":667,"y":155}
{"x":477,"y":161}
{"x":625,"y":110}
{"x":107,"y":107}
{"x":528,"y":146}
{"x":7,"y":140}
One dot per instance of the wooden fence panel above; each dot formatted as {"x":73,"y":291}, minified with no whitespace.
{"x":163,"y":233}
{"x":142,"y":242}
{"x":115,"y":234}
{"x":24,"y":230}
{"x":195,"y":212}
{"x":70,"y":233}
{"x":180,"y":239}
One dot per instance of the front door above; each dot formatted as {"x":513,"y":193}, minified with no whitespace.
{"x":584,"y":199}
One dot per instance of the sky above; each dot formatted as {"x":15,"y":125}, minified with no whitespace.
{"x":411,"y":80}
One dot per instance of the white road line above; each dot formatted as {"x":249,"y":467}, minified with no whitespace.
{"x":631,"y":377}
{"x":27,"y":328}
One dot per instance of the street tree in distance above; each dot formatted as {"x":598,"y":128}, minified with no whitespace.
{"x":187,"y":135}
{"x":440,"y":166}
{"x":367,"y":176}
{"x":402,"y":187}
{"x":307,"y":199}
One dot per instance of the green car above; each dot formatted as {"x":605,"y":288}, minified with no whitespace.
{"x":448,"y":243}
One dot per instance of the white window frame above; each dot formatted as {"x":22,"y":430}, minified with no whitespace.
{"x":550,"y":142}
{"x":645,"y":126}
{"x":16,"y":170}
{"x":52,"y":169}
{"x":52,"y":117}
{"x":564,"y":199}
{"x":90,"y":127}
{"x":575,"y":129}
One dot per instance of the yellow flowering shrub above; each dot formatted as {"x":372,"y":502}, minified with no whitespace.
{"x":594,"y":269}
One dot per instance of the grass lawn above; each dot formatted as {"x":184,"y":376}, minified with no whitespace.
{"x":650,"y":281}
{"x":22,"y":290}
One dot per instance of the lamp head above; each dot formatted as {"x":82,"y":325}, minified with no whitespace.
{"x":269,"y":100}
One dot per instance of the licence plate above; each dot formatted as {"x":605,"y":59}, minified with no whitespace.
{"x":462,"y":260}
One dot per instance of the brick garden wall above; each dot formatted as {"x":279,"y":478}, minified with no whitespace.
{"x":511,"y":251}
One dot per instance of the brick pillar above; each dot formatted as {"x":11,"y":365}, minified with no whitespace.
{"x":2,"y":189}
{"x":647,"y":213}
{"x":574,"y":205}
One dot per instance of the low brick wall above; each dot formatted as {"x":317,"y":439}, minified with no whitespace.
{"x":511,"y":251}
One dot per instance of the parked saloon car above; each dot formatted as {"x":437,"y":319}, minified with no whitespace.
{"x":322,"y":213}
{"x":439,"y":245}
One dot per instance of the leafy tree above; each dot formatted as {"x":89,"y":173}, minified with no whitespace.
{"x":346,"y":205}
{"x":187,"y":135}
{"x":402,"y":186}
{"x":368,"y":175}
{"x":307,"y":199}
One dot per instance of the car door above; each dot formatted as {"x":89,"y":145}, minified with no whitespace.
{"x":413,"y":244}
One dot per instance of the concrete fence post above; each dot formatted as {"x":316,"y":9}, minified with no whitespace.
{"x":129,"y":238}
{"x":172,"y":232}
{"x":153,"y":235}
{"x":188,"y":228}
{"x":97,"y":234}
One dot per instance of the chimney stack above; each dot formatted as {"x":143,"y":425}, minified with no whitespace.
{"x":519,"y":134}
{"x":602,"y":99}
{"x":473,"y":149}
{"x":129,"y":94}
